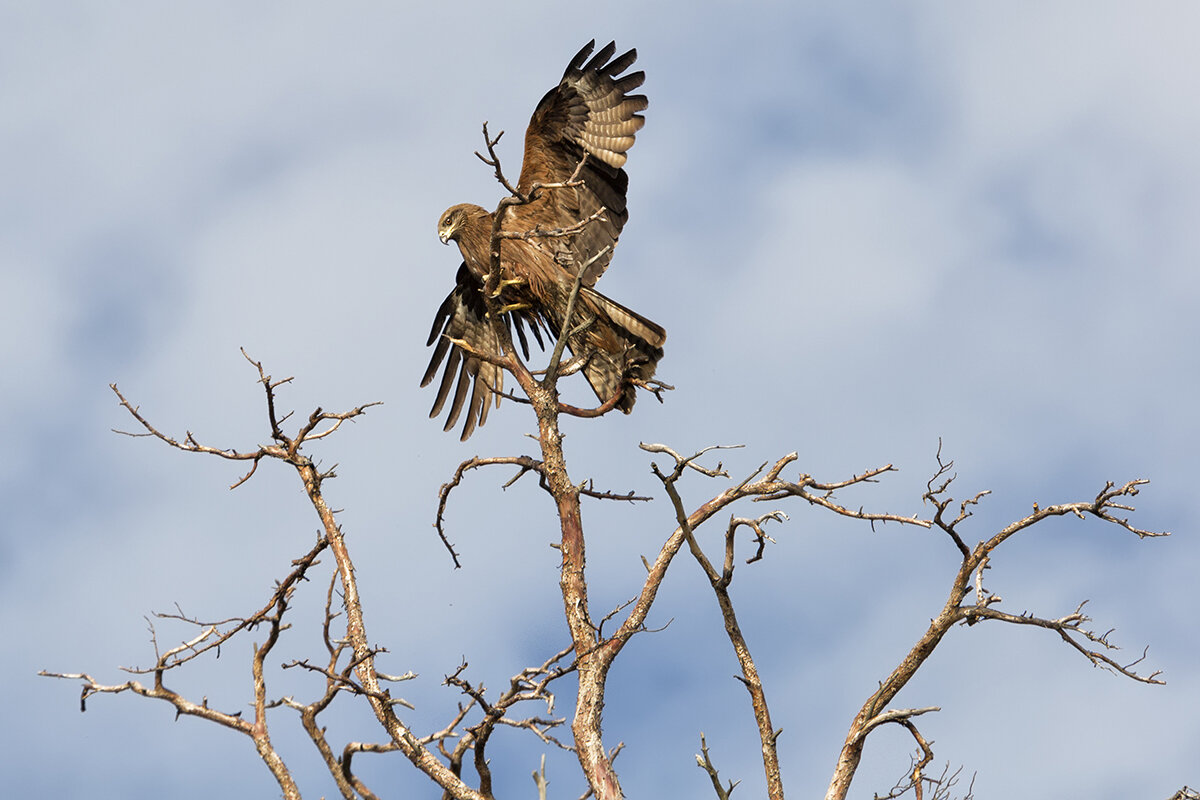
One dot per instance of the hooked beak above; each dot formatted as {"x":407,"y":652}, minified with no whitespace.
{"x":445,"y":237}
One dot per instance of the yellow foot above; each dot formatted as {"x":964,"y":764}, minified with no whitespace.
{"x":507,"y":282}
{"x":514,"y":307}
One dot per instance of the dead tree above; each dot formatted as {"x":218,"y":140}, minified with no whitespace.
{"x":348,"y":665}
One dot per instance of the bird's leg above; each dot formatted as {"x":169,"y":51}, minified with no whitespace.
{"x":513,"y":307}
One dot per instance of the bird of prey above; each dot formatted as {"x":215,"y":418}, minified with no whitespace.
{"x":581,"y":129}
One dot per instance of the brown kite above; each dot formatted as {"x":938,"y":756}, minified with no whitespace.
{"x":582,"y":128}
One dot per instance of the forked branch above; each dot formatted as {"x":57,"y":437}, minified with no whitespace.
{"x":969,"y":577}
{"x":288,"y":448}
{"x":768,"y":487}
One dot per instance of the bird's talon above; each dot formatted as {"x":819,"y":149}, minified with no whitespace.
{"x":507,"y":282}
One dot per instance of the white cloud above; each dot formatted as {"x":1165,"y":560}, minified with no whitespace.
{"x":974,"y":223}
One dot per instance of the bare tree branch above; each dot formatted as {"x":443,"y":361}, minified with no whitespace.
{"x":970,"y":575}
{"x":1068,"y":628}
{"x":705,"y":763}
{"x":539,"y":779}
{"x":288,"y":449}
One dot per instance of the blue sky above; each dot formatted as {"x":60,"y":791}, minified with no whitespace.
{"x":865,"y":229}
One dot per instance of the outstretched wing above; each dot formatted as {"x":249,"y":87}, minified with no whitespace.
{"x":590,"y":111}
{"x":463,"y":317}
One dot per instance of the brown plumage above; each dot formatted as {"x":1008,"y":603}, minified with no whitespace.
{"x":589,"y":113}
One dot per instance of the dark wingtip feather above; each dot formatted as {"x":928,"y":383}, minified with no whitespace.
{"x":580,"y":57}
{"x":439,"y":319}
{"x":468,"y":426}
{"x":630,"y":82}
{"x":519,"y":325}
{"x":447,"y":379}
{"x":439,"y":353}
{"x":460,"y":394}
{"x":477,"y":410}
{"x":537,"y":334}
{"x":621,"y":63}
{"x":601,"y":57}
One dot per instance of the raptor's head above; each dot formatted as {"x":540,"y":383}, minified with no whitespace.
{"x":454,"y":218}
{"x":448,"y":224}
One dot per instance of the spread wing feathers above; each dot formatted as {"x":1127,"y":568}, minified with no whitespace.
{"x":463,"y":316}
{"x":592,"y":112}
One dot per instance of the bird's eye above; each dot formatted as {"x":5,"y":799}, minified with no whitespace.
{"x":446,"y":222}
